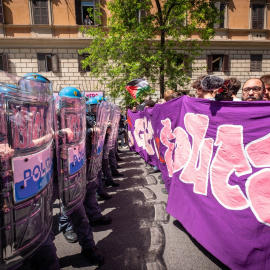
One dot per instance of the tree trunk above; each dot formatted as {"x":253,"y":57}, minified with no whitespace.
{"x":162,"y":66}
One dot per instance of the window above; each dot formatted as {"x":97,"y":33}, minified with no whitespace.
{"x":40,"y":12}
{"x":1,"y":12}
{"x":141,"y":14}
{"x":218,"y":63}
{"x":47,"y":62}
{"x":257,"y":11}
{"x":81,"y":10}
{"x":80,"y":58}
{"x":182,"y":59}
{"x":256,"y":62}
{"x":4,"y":62}
{"x":221,"y":6}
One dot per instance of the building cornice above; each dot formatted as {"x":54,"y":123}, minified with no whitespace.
{"x":84,"y":42}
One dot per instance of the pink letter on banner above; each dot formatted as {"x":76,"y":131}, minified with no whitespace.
{"x":258,"y":192}
{"x":196,"y":170}
{"x":131,"y":140}
{"x":258,"y":152}
{"x":137,"y":128}
{"x":182,"y":148}
{"x":166,"y":134}
{"x":230,"y":157}
{"x":257,"y":185}
{"x":148,"y":136}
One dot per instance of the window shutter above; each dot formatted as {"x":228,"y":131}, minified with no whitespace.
{"x":217,"y":5}
{"x":225,"y":64}
{"x":1,"y":12}
{"x":40,"y":11}
{"x":78,"y":12}
{"x":41,"y":62}
{"x":80,"y":58}
{"x":96,"y":9}
{"x":256,"y":62}
{"x":209,"y":63}
{"x":261,"y":17}
{"x":5,"y":62}
{"x":257,"y":16}
{"x":55,"y":63}
{"x":222,"y":17}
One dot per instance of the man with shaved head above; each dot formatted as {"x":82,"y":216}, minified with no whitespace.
{"x":253,"y":90}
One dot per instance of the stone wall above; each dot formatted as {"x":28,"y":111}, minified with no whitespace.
{"x":22,"y":61}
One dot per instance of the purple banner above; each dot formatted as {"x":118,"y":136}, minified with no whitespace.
{"x":215,"y":160}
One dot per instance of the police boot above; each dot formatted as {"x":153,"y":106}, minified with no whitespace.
{"x":115,"y":173}
{"x":111,"y":183}
{"x":94,"y":255}
{"x":101,"y":221}
{"x":104,"y":196}
{"x":119,"y":159}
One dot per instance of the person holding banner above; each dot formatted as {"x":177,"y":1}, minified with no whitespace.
{"x":253,"y":90}
{"x":266,"y":80}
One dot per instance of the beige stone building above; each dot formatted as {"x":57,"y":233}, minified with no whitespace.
{"x":43,"y":36}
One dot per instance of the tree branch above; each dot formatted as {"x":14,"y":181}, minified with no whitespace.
{"x":169,"y":11}
{"x":161,"y":22}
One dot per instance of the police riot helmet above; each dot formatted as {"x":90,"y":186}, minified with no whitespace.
{"x":70,"y":92}
{"x":100,"y":98}
{"x":34,"y":82}
{"x":92,"y":101}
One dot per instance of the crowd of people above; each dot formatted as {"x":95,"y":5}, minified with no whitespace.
{"x":229,"y":88}
{"x":215,"y":88}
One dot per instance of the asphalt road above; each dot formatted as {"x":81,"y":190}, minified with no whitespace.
{"x":142,"y":235}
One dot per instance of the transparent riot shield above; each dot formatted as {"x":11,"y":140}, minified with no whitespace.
{"x":113,"y":124}
{"x":116,"y":126}
{"x":26,"y":167}
{"x":70,"y":124}
{"x":98,"y":137}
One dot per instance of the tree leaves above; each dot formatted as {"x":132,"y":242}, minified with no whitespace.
{"x":144,"y":39}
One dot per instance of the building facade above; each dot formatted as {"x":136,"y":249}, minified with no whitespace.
{"x":43,"y":36}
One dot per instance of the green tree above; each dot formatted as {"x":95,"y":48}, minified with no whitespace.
{"x":149,"y":39}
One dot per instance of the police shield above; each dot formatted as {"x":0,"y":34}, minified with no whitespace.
{"x":116,"y":126}
{"x":70,"y":124}
{"x":113,"y":127}
{"x":26,"y":167}
{"x":97,"y":140}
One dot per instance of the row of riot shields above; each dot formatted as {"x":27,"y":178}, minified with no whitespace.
{"x":43,"y":140}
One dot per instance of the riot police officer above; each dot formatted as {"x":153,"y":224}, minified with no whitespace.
{"x":26,"y":205}
{"x":70,"y":113}
{"x":93,"y":135}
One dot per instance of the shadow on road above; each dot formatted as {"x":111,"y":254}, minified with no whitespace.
{"x":179,"y":225}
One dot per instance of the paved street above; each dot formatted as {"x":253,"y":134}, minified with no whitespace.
{"x":142,"y":235}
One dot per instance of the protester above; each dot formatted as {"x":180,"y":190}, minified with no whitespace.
{"x":161,"y":101}
{"x":174,"y":95}
{"x":233,"y":87}
{"x":253,"y":90}
{"x":266,"y":80}
{"x":167,"y":94}
{"x":122,"y":129}
{"x":149,"y":103}
{"x":197,"y":85}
